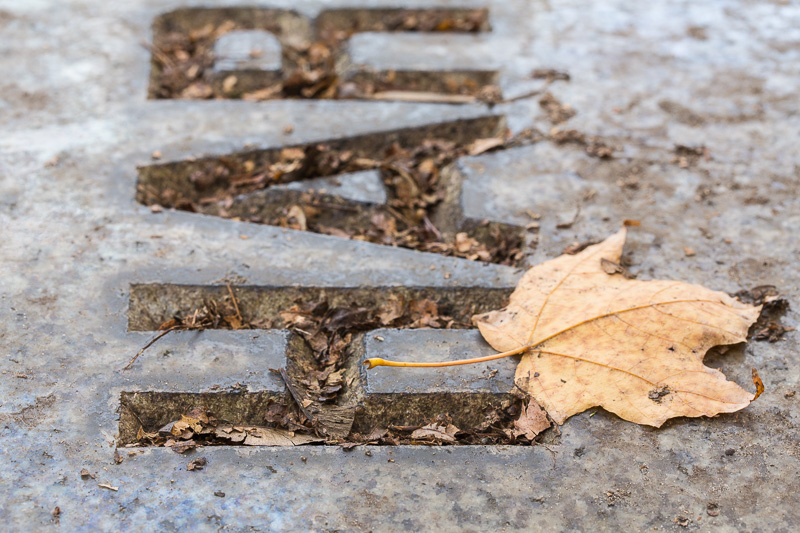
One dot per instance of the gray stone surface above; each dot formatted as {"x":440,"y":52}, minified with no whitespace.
{"x":423,"y":52}
{"x":74,"y":124}
{"x":247,"y":50}
{"x":363,"y":186}
{"x":196,"y":361}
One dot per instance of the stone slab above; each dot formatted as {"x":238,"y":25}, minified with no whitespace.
{"x":644,"y":77}
{"x":247,"y":50}
{"x":200,"y":361}
{"x":365,"y":186}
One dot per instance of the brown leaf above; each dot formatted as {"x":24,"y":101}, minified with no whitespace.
{"x":181,"y":446}
{"x":264,"y":436}
{"x":423,"y":312}
{"x":297,"y":218}
{"x":197,"y":464}
{"x":531,"y":422}
{"x":556,"y":111}
{"x":436,"y":432}
{"x":633,"y":347}
{"x":184,"y":425}
{"x":392,"y":309}
{"x":234,"y":322}
{"x":484,"y":145}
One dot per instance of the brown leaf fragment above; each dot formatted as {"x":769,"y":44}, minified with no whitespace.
{"x":532,"y":421}
{"x":556,"y":111}
{"x":773,"y":332}
{"x":296,"y":218}
{"x":424,"y":313}
{"x":758,"y":383}
{"x":85,"y":474}
{"x":611,"y":268}
{"x":484,"y":145}
{"x":436,"y":433}
{"x":264,"y":436}
{"x":181,"y":446}
{"x":550,"y":74}
{"x":197,"y":464}
{"x":633,"y":347}
{"x":376,"y":434}
{"x":577,"y":247}
{"x":392,"y":309}
{"x":759,"y":295}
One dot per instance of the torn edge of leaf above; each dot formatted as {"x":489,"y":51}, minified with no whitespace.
{"x":758,"y":383}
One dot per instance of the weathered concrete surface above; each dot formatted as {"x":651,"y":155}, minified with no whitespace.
{"x":646,"y":78}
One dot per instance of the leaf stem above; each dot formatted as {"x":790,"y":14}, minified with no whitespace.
{"x":377,"y":361}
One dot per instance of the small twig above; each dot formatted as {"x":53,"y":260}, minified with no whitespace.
{"x":149,"y":344}
{"x":523,"y":96}
{"x":399,"y":216}
{"x":429,"y":225}
{"x":327,"y":205}
{"x":235,"y":303}
{"x":548,"y":449}
{"x":155,"y":50}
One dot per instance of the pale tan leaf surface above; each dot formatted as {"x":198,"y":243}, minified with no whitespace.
{"x":633,"y":347}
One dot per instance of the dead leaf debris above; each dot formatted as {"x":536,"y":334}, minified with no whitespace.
{"x":312,"y":416}
{"x":416,"y":180}
{"x":768,"y":327}
{"x":594,"y":145}
{"x":556,"y":111}
{"x":201,"y":428}
{"x":314,"y":66}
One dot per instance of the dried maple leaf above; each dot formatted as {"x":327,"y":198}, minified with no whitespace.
{"x":594,"y":338}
